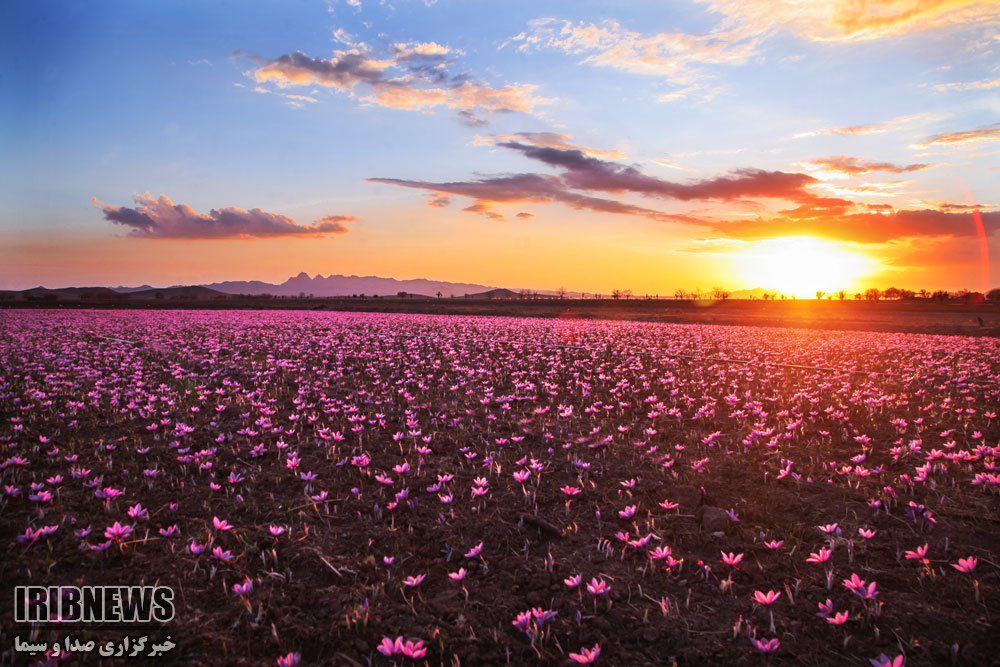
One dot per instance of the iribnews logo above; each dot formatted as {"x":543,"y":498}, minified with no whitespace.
{"x":93,"y":604}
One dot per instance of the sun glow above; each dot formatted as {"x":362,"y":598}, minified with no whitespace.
{"x":800,"y":266}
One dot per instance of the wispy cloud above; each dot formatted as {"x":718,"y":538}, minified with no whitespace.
{"x":963,"y":138}
{"x":676,"y":56}
{"x":985,"y":84}
{"x":548,"y":140}
{"x":410,"y":75}
{"x":854,"y":21}
{"x":852,"y":166}
{"x":162,"y":219}
{"x":880,"y":127}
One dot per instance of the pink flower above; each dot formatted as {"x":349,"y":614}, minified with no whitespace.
{"x":920,"y":552}
{"x":731,"y":559}
{"x":885,"y":661}
{"x":570,"y":490}
{"x":290,"y":660}
{"x":839,"y":618}
{"x":117,"y":532}
{"x":586,"y":656}
{"x":574,"y":581}
{"x":458,"y":576}
{"x":766,"y":598}
{"x":414,"y":581}
{"x":475,"y":551}
{"x":221,"y":524}
{"x":821,"y":557}
{"x":598,"y":587}
{"x":966,"y":565}
{"x":769,"y":646}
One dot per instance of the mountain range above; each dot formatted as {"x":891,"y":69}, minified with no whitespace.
{"x":337,"y":285}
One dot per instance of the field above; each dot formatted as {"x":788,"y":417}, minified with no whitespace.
{"x":503,"y":490}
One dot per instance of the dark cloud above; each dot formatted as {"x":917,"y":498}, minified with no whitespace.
{"x":853,"y":166}
{"x":161,"y":218}
{"x":534,"y":188}
{"x":524,"y":215}
{"x":584,"y":172}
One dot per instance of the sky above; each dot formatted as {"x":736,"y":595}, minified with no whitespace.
{"x":650,"y":146}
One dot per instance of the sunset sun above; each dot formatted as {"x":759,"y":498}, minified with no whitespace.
{"x":801,"y":265}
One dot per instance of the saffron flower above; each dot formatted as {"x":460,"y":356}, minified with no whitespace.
{"x":243,"y":589}
{"x":966,"y":565}
{"x":586,"y":656}
{"x":731,"y":559}
{"x":475,"y":551}
{"x":414,"y":581}
{"x":290,"y":660}
{"x":821,"y":557}
{"x":117,"y":532}
{"x":766,"y":646}
{"x":221,"y":524}
{"x":598,"y":587}
{"x":766,"y":598}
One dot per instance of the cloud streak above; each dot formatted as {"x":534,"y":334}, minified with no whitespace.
{"x":853,"y":166}
{"x":853,"y":21}
{"x":162,"y":219}
{"x":977,"y":136}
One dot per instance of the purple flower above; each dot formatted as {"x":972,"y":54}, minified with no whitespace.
{"x":586,"y":656}
{"x":243,"y":589}
{"x":117,"y":532}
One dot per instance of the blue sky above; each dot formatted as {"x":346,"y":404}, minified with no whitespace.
{"x":642,"y":145}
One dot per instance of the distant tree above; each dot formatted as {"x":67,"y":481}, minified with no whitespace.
{"x":679,"y":294}
{"x":819,"y":294}
{"x":401,"y":295}
{"x":439,"y":294}
{"x":923,"y":294}
{"x":616,"y":294}
{"x":841,"y":295}
{"x":561,"y":292}
{"x":993,"y":294}
{"x":719,"y":294}
{"x":627,"y":293}
{"x":892,"y":293}
{"x":872,"y":294}
{"x":858,"y":296}
{"x":940,"y":295}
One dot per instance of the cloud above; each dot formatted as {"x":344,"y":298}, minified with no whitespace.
{"x":530,"y":188}
{"x":547,"y":140}
{"x":438,"y":202}
{"x":868,"y":227}
{"x":853,"y":166}
{"x":676,"y":56}
{"x":524,"y":215}
{"x":583,"y":172}
{"x":985,"y":84}
{"x":972,"y":137}
{"x":412,"y":76}
{"x":891,"y":125}
{"x":854,"y":20}
{"x":161,"y":218}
